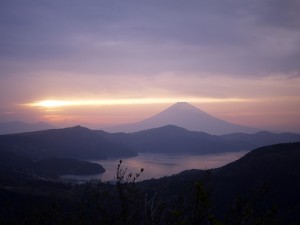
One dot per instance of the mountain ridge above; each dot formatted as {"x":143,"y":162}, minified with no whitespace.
{"x":187,"y":116}
{"x":73,"y":142}
{"x":174,"y":139}
{"x":82,"y":143}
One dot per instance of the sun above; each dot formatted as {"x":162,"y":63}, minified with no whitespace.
{"x":50,"y":103}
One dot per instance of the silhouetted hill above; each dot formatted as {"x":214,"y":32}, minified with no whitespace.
{"x":21,"y":127}
{"x":82,"y":143}
{"x":275,"y":166}
{"x":260,"y":139}
{"x":173,"y":139}
{"x":75,"y":142}
{"x":187,"y":116}
{"x":240,"y":186}
{"x":12,"y":163}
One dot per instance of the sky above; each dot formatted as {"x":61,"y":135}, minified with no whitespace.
{"x":99,"y":63}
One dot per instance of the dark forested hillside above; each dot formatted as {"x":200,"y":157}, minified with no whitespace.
{"x":75,"y":142}
{"x":82,"y":143}
{"x":275,"y":168}
{"x":48,"y":167}
{"x":260,"y":188}
{"x":260,"y":139}
{"x":173,"y":139}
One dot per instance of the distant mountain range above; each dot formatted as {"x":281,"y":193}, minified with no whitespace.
{"x":173,"y":139}
{"x":76,"y":142}
{"x":20,"y":127}
{"x":187,"y":116}
{"x":82,"y":143}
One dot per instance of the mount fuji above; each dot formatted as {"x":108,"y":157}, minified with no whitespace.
{"x":187,"y":116}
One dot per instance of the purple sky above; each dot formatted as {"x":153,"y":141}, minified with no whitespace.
{"x":237,"y":60}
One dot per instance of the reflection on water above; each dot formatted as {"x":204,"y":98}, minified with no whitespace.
{"x":158,"y":165}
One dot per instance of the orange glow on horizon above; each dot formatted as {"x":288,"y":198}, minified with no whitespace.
{"x":141,"y":101}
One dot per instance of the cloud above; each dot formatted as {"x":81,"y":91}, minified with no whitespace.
{"x":248,"y":38}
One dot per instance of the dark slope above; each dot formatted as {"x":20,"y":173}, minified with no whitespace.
{"x":185,"y":115}
{"x":28,"y":200}
{"x":260,"y":139}
{"x":76,"y":142}
{"x":82,"y":143}
{"x":20,"y":127}
{"x":12,"y":163}
{"x":173,"y":139}
{"x":278,"y":166}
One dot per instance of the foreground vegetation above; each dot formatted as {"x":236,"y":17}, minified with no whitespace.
{"x":257,"y":189}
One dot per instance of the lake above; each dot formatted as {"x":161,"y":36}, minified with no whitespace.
{"x":157,"y":165}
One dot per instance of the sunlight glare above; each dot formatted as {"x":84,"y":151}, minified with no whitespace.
{"x":61,"y":103}
{"x":51,"y":103}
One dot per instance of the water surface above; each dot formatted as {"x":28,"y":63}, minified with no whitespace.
{"x":157,"y":165}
